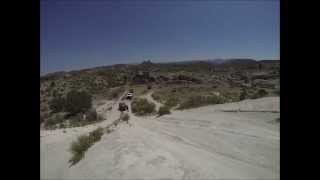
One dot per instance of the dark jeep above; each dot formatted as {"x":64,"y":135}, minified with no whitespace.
{"x":123,"y":107}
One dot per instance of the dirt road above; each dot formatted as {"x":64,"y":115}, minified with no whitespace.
{"x":150,"y":99}
{"x":202,"y":143}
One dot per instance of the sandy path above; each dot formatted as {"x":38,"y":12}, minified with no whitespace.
{"x":202,"y":143}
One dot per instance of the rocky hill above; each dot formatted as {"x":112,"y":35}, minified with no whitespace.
{"x":101,"y":81}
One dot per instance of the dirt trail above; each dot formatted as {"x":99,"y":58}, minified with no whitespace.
{"x":150,"y":99}
{"x":201,"y":143}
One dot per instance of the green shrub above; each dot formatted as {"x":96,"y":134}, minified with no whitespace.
{"x":75,"y":117}
{"x":171,"y":101}
{"x":125,"y":117}
{"x":53,"y":121}
{"x":96,"y":135}
{"x":164,"y":110}
{"x":57,"y":104}
{"x":197,"y":101}
{"x":76,"y":120}
{"x":78,"y":148}
{"x":142,"y":107}
{"x":62,"y":126}
{"x":78,"y":101}
{"x":243,"y":95}
{"x":52,"y":84}
{"x":83,"y":143}
{"x":260,"y":93}
{"x":231,"y":96}
{"x":92,"y":115}
{"x":156,"y":97}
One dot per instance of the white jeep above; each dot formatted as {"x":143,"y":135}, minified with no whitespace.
{"x":129,"y":95}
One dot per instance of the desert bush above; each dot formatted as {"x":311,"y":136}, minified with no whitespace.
{"x":260,"y":93}
{"x":53,"y":121}
{"x":78,"y":101}
{"x":171,"y":101}
{"x":78,"y":148}
{"x":62,"y":126}
{"x":96,"y":135}
{"x":75,"y":120}
{"x":243,"y":95}
{"x":125,"y":117}
{"x":142,"y":107}
{"x":156,"y":97}
{"x":52,"y":84}
{"x":92,"y":115}
{"x":231,"y":95}
{"x":57,"y":104}
{"x":83,"y":143}
{"x":164,"y":110}
{"x":197,"y":101}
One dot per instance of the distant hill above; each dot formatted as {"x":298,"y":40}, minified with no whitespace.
{"x":104,"y":77}
{"x":101,"y":81}
{"x":217,"y":61}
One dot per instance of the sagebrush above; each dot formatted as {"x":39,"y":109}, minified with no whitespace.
{"x":164,"y":110}
{"x":83,"y":143}
{"x":125,"y":117}
{"x":142,"y":107}
{"x":78,"y":101}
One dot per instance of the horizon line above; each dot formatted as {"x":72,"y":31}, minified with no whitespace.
{"x":153,"y":61}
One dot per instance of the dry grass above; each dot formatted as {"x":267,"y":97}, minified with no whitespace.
{"x":198,"y":101}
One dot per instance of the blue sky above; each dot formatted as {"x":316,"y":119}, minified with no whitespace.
{"x":82,"y":34}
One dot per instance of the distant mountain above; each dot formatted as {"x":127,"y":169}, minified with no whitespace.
{"x":269,"y":61}
{"x":217,"y":61}
{"x":240,"y":60}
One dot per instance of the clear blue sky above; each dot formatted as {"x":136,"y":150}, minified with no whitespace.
{"x":82,"y":34}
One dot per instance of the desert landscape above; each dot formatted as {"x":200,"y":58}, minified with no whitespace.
{"x":201,"y":119}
